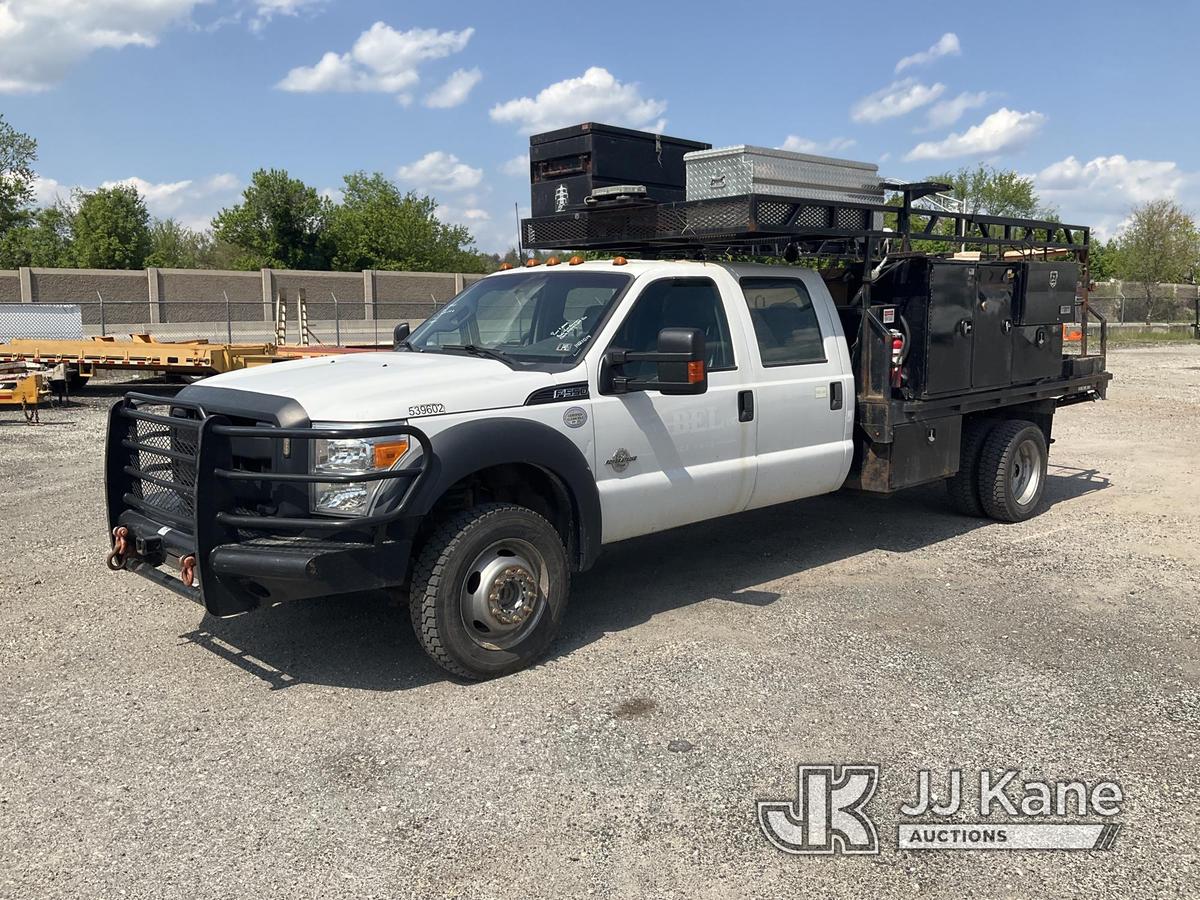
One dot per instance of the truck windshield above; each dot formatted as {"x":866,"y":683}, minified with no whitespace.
{"x":526,"y":317}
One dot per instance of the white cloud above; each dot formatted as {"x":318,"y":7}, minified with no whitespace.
{"x":819,"y":148}
{"x":48,"y":191}
{"x":382,"y":60}
{"x":946,"y":45}
{"x":265,"y":10}
{"x":945,"y":113}
{"x":455,"y":89}
{"x":41,"y":40}
{"x":517,"y":167}
{"x":1102,"y":191}
{"x":595,"y":96}
{"x":440,"y":170}
{"x":897,"y":99}
{"x":1005,"y":129}
{"x":192,"y":202}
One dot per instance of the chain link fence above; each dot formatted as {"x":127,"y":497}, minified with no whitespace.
{"x":1127,"y":302}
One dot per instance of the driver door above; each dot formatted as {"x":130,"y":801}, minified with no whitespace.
{"x":667,"y":460}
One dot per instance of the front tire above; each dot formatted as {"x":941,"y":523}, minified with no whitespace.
{"x":1012,"y":471}
{"x":489,"y":590}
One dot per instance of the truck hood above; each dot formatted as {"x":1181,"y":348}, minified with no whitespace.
{"x":372,"y":387}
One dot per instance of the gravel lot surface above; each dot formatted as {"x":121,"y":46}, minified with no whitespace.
{"x":311,"y":750}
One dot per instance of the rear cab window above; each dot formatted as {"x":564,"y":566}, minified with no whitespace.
{"x":785,"y":321}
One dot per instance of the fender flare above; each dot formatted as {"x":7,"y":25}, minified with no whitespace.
{"x":470,"y":447}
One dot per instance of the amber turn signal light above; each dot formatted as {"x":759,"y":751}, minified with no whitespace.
{"x":695,"y":371}
{"x":388,"y":452}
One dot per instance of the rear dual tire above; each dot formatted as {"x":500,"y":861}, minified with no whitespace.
{"x":1002,"y":470}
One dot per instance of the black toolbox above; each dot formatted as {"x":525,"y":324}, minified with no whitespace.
{"x":568,"y":164}
{"x":1047,"y":292}
{"x":979,"y":325}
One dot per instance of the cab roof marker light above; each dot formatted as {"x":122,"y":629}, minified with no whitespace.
{"x":619,"y":261}
{"x":531,"y":262}
{"x":553,"y":261}
{"x":504,"y":267}
{"x":575,"y":261}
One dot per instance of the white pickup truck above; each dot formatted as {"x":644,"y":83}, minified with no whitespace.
{"x":545,"y":412}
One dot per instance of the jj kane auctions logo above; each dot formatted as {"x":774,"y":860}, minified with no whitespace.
{"x":829,"y":814}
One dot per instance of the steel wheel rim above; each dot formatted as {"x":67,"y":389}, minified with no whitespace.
{"x":503,"y":594}
{"x":1027,"y":472}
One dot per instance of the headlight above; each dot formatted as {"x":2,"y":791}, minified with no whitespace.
{"x":345,"y":456}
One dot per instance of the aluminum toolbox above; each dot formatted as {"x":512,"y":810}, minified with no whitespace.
{"x":567,"y":164}
{"x":733,"y":171}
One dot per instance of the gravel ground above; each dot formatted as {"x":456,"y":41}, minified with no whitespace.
{"x":310,"y":750}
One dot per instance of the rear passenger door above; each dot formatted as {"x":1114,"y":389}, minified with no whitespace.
{"x":803,"y":388}
{"x":667,"y":460}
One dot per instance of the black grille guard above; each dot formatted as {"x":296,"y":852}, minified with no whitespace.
{"x":178,"y":471}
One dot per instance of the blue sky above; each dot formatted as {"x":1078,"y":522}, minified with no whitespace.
{"x":190,"y":96}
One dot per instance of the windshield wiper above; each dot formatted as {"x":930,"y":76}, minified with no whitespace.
{"x":476,"y":350}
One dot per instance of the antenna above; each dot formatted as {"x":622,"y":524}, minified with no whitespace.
{"x":520,"y":240}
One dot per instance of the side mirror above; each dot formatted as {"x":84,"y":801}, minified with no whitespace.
{"x":400,"y":334}
{"x":680,"y":358}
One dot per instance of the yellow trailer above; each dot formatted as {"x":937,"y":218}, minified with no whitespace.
{"x":142,"y":351}
{"x":27,"y":390}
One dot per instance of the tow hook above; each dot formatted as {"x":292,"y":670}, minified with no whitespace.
{"x":116,"y":558}
{"x":187,"y":570}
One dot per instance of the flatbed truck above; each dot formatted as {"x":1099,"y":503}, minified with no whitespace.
{"x":553,"y":409}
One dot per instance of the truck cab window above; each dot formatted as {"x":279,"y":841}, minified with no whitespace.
{"x":785,"y":322}
{"x":676,"y":303}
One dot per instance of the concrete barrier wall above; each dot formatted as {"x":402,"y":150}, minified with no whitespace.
{"x":10,"y":286}
{"x":180,"y":303}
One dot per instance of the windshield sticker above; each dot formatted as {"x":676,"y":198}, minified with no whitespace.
{"x":564,"y":348}
{"x":567,"y":327}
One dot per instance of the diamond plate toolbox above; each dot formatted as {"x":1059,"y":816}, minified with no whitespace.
{"x":733,"y":171}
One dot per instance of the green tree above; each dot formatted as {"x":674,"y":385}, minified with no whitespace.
{"x":175,"y":246}
{"x":1102,"y":259}
{"x":1160,"y":244}
{"x":280,"y":223}
{"x":110,"y":228}
{"x":376,"y":226}
{"x":18,"y":151}
{"x":43,"y":239}
{"x":988,"y":191}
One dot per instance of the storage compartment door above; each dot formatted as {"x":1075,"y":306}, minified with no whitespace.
{"x":991,"y":361}
{"x":1037,"y":352}
{"x":945,"y":365}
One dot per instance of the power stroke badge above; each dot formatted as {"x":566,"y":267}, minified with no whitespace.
{"x":987,"y":810}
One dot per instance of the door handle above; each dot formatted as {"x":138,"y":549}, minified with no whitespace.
{"x":1007,"y":326}
{"x":745,"y":406}
{"x":835,"y":395}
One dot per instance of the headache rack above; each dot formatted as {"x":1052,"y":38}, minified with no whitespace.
{"x":862,"y":239}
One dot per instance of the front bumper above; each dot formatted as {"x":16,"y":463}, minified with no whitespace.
{"x":233,"y":497}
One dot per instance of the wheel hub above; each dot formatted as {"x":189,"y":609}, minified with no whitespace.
{"x":504,"y":594}
{"x":513,"y":595}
